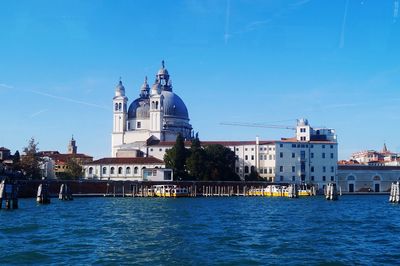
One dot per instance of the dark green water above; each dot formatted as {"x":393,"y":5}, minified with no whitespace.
{"x":231,"y":231}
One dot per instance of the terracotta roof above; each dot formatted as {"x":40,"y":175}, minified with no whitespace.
{"x":205,"y":143}
{"x":367,"y":167}
{"x":65,"y":157}
{"x":128,"y":160}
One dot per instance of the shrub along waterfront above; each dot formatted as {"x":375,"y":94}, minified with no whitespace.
{"x":211,"y":163}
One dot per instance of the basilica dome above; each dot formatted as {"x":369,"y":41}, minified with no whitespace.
{"x":173,"y":106}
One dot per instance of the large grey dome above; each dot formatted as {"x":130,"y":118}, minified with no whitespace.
{"x":172,"y":103}
{"x":174,"y":106}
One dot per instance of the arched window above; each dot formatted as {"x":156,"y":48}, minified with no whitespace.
{"x":119,"y":170}
{"x":112,"y":170}
{"x":135,"y":170}
{"x":90,"y":170}
{"x":116,"y":106}
{"x":152,"y":105}
{"x":246,"y":169}
{"x":252,"y":169}
{"x":144,"y":167}
{"x":157,"y":105}
{"x":104,"y":170}
{"x":351,"y":178}
{"x":128,"y":171}
{"x":119,"y":106}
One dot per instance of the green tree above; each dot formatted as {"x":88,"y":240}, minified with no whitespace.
{"x":220,"y":165}
{"x":253,"y":176}
{"x":16,"y":161}
{"x":31,"y":161}
{"x":74,"y":170}
{"x":175,"y":158}
{"x":196,"y":161}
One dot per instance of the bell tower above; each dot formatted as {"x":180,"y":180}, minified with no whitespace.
{"x":120,"y":115}
{"x":72,"y":148}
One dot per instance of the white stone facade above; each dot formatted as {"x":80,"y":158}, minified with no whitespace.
{"x":366,"y":178}
{"x":121,"y":168}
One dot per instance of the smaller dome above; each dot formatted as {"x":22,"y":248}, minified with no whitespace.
{"x":163,"y":71}
{"x":120,"y":89}
{"x":145,"y":89}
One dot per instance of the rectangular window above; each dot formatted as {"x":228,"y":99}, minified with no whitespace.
{"x":281,"y":145}
{"x":312,"y":155}
{"x":312,"y":178}
{"x":332,"y":178}
{"x":281,"y":168}
{"x":245,"y":149}
{"x":324,"y":169}
{"x":293,"y":145}
{"x":293,"y":178}
{"x":312,"y":168}
{"x":331,"y":155}
{"x":270,"y":157}
{"x":270,"y":170}
{"x":252,"y":157}
{"x":324,"y":178}
{"x":332,"y":169}
{"x":246,"y":157}
{"x":323,"y":146}
{"x":303,"y":155}
{"x":311,"y":146}
{"x":281,"y":154}
{"x":139,"y":125}
{"x":323,"y":155}
{"x":252,"y":149}
{"x":293,"y":155}
{"x":331,"y":146}
{"x":281,"y":177}
{"x":293,"y":169}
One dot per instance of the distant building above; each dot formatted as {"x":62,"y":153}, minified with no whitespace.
{"x":127,"y":169}
{"x":367,"y":178}
{"x":377,"y":158}
{"x":55,"y":163}
{"x":4,"y":153}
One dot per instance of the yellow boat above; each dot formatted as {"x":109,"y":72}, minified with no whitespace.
{"x":275,"y":191}
{"x":167,"y":191}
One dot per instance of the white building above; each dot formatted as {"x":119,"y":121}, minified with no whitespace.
{"x":127,"y":169}
{"x":158,"y":114}
{"x":367,"y":178}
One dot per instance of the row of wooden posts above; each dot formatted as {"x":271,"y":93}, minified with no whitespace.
{"x":9,"y":192}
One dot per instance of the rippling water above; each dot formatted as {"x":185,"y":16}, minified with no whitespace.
{"x":234,"y":231}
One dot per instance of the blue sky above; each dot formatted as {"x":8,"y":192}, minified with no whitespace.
{"x":336,"y":63}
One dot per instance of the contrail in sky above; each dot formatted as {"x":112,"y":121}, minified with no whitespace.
{"x":228,"y":7}
{"x":341,"y":45}
{"x":38,"y":113}
{"x":69,"y":99}
{"x":6,"y":86}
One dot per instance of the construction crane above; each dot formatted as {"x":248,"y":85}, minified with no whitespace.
{"x":239,"y":124}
